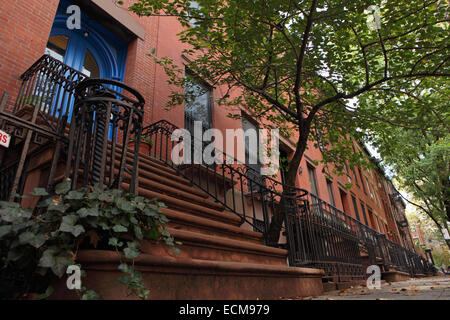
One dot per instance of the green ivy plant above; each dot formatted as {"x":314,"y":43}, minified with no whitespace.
{"x":147,"y":140}
{"x":37,"y":246}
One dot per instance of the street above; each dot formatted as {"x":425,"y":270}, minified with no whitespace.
{"x":433,"y":288}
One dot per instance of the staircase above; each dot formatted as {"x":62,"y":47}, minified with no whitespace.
{"x":219,"y":258}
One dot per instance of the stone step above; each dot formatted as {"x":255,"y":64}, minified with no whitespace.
{"x":185,"y":221}
{"x":223,"y":216}
{"x":171,"y":278}
{"x":197,"y":245}
{"x":175,"y":189}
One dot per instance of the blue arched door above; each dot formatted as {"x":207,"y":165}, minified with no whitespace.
{"x":91,"y":49}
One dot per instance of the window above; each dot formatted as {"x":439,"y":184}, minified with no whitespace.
{"x":193,"y":5}
{"x":355,"y":205}
{"x":349,"y":178}
{"x":363,"y":209}
{"x":330,"y":192}
{"x":345,"y":206}
{"x":57,"y":47}
{"x":251,"y":143}
{"x":362,"y":180}
{"x":90,"y":67}
{"x":354,"y":174}
{"x":371,"y":218}
{"x":312,"y":180}
{"x":197,"y":106}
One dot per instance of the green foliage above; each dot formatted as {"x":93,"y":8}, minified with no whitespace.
{"x":301,"y":65}
{"x":143,"y":139}
{"x":40,"y":245}
{"x":314,"y":69}
{"x":420,"y":161}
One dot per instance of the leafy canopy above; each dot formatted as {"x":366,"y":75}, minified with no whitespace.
{"x":299,"y":64}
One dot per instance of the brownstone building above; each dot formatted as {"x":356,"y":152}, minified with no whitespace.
{"x":220,"y":213}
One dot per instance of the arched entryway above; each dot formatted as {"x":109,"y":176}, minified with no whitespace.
{"x":90,"y":49}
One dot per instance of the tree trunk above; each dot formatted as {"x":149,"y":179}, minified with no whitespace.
{"x":273,"y":235}
{"x":446,"y":191}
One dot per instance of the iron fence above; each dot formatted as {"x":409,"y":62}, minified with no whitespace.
{"x":318,"y":234}
{"x":236,"y":185}
{"x":104,"y":119}
{"x":322,"y":236}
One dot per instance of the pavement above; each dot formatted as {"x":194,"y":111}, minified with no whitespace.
{"x":429,"y":288}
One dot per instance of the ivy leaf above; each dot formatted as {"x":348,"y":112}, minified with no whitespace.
{"x":30,"y":238}
{"x":115,"y":242}
{"x":74,"y":195}
{"x":14,"y":214}
{"x":39,"y":192}
{"x":61,"y":264}
{"x":68,"y":225}
{"x":124,"y":268}
{"x":90,"y":295}
{"x":124,"y":280}
{"x":6,"y":204}
{"x":47,"y":259}
{"x":4,"y":230}
{"x":86,"y":212}
{"x":120,"y":228}
{"x":46,"y":294}
{"x":138,"y":232}
{"x":131,"y":252}
{"x":63,"y":187}
{"x":56,"y":205}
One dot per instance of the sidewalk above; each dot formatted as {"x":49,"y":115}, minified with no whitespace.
{"x":433,"y":288}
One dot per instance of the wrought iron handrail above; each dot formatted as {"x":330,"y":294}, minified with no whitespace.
{"x":392,"y":254}
{"x":103,"y":116}
{"x":49,"y":85}
{"x":246,"y":183}
{"x":318,"y":233}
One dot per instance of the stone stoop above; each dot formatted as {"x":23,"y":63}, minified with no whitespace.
{"x":219,"y":258}
{"x":170,"y":278}
{"x":395,"y":276}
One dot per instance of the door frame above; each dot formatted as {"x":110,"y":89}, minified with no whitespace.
{"x":108,"y":50}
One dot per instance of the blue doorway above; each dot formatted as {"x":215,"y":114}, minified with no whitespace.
{"x":92,"y":49}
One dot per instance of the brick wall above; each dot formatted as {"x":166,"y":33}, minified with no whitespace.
{"x":25,"y":30}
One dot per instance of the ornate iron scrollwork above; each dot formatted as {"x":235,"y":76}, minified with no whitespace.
{"x":106,"y":114}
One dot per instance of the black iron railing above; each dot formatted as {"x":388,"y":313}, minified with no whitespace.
{"x":322,"y":236}
{"x":47,"y":93}
{"x":102,"y":115}
{"x":328,"y":238}
{"x":237,"y":186}
{"x":103,"y":121}
{"x":318,"y":234}
{"x":49,"y":85}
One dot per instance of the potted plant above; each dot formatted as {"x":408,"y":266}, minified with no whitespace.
{"x":37,"y":246}
{"x":145,"y":145}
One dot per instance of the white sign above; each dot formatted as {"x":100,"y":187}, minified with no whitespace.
{"x":5,"y":139}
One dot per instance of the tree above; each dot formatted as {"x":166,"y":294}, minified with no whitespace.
{"x":299,"y":64}
{"x":420,"y":159}
{"x":431,"y":233}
